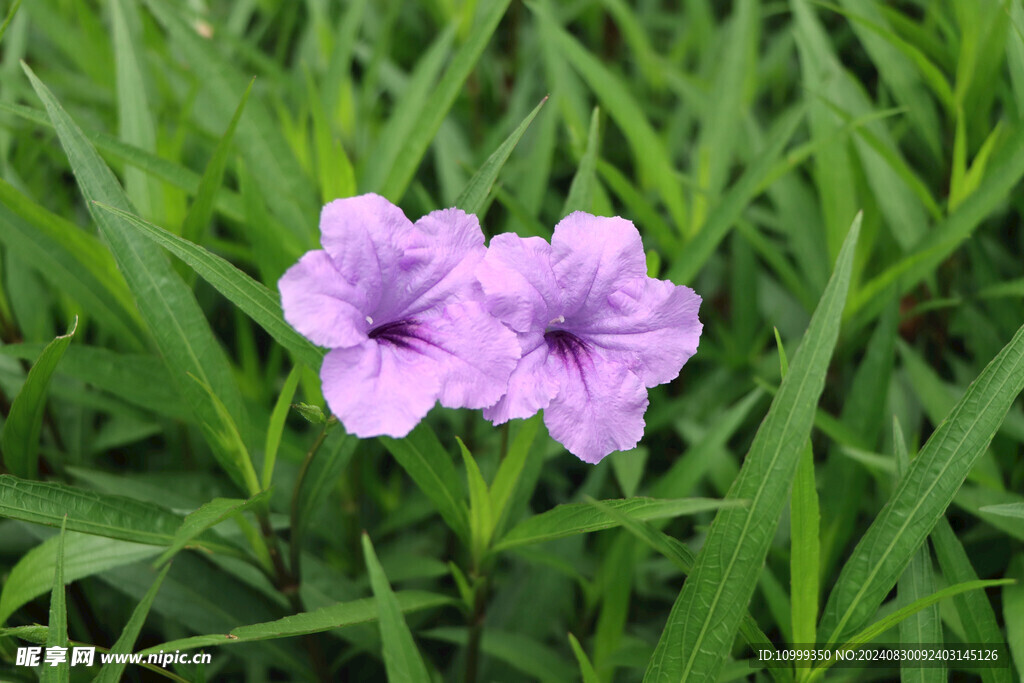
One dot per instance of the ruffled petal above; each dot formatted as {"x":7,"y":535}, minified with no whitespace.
{"x":377,"y":389}
{"x":474,"y":353}
{"x":593,"y":256}
{"x":599,"y":407}
{"x":436,"y":267}
{"x":518,"y":283}
{"x":530,"y":387}
{"x":650,"y":324}
{"x":322,"y":304}
{"x":365,"y":237}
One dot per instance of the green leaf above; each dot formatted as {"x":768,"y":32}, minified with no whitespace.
{"x":134,"y":115}
{"x":917,"y":581}
{"x":255,"y":300}
{"x":72,"y":259}
{"x":481,"y":515}
{"x":32,"y":634}
{"x":225,"y":440}
{"x":321,"y":478}
{"x":581,"y":191}
{"x":924,"y":493}
{"x":581,"y":518}
{"x":84,"y":556}
{"x":205,"y":517}
{"x":260,"y":141}
{"x":58,"y":625}
{"x":11,"y":11}
{"x":169,"y":308}
{"x":883,"y":625}
{"x":473,"y":197}
{"x":94,"y":513}
{"x":650,"y":151}
{"x":275,"y":426}
{"x":518,"y":650}
{"x":684,"y":558}
{"x":138,"y":379}
{"x":111,"y":673}
{"x":735,"y":200}
{"x":1013,"y":615}
{"x":975,"y":611}
{"x":586,"y":668}
{"x":429,"y":119}
{"x":20,"y":438}
{"x":424,"y":459}
{"x":201,"y":212}
{"x":408,"y":108}
{"x":1006,"y":170}
{"x":708,"y":611}
{"x":401,"y":658}
{"x":338,"y":615}
{"x":805,"y":550}
{"x":509,"y":475}
{"x":1013,"y":510}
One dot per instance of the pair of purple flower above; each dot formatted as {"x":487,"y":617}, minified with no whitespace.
{"x":419,"y":312}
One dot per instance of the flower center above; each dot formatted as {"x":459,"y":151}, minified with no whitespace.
{"x":567,"y":346}
{"x":399,"y":333}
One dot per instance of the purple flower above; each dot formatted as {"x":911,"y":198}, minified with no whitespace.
{"x":595,"y":331}
{"x":400,"y":309}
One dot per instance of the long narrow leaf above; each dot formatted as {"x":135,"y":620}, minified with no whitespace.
{"x":401,"y":658}
{"x":20,"y":439}
{"x":923,"y":495}
{"x":255,"y":300}
{"x":708,"y":611}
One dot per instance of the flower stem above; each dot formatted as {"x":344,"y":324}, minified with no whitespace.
{"x":476,"y":631}
{"x":295,"y":545}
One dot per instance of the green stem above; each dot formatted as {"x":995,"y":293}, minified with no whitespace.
{"x":476,"y":631}
{"x":295,"y":544}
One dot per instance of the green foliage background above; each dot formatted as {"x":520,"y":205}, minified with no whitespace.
{"x":152,"y":194}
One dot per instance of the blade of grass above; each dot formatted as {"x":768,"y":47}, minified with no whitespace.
{"x":20,"y":438}
{"x":923,"y":495}
{"x":134,"y":115}
{"x":705,"y":617}
{"x":58,"y":624}
{"x":473,"y":196}
{"x":254,"y":299}
{"x":649,"y":150}
{"x":401,"y":658}
{"x":581,"y":190}
{"x":883,"y":625}
{"x":423,"y":457}
{"x":275,"y":427}
{"x":179,"y":327}
{"x":206,"y":517}
{"x":580,"y":518}
{"x":975,"y":610}
{"x":201,"y":211}
{"x":917,"y":582}
{"x":111,"y":672}
{"x":735,"y":200}
{"x":429,"y":119}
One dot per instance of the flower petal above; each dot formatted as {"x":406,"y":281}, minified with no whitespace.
{"x":321,"y":304}
{"x":599,"y":408}
{"x":518,"y":283}
{"x":593,"y":256}
{"x":436,"y":268}
{"x":474,"y":352}
{"x":377,"y":389}
{"x":651,"y":324}
{"x":530,"y":387}
{"x":365,"y":236}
